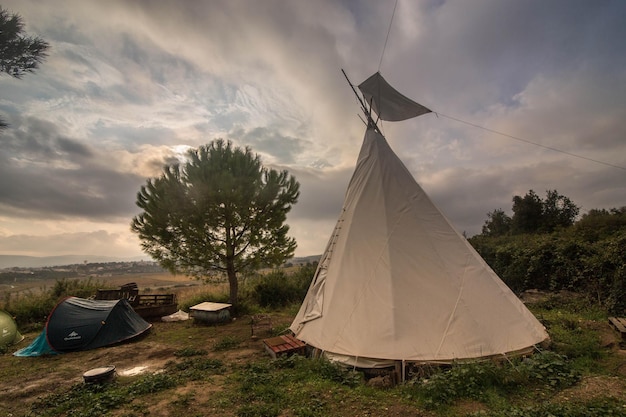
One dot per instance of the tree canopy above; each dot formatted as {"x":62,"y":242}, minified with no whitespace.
{"x":221,"y":211}
{"x":531,"y":214}
{"x":19,"y":53}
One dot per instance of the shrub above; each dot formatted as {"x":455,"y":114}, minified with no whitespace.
{"x":32,"y":309}
{"x":567,"y":259}
{"x":83,"y":288}
{"x":201,"y":296}
{"x":603,"y":407}
{"x":479,"y":380}
{"x":226,"y":343}
{"x":277,"y":289}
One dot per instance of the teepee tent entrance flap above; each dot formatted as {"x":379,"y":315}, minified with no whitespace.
{"x":398,"y":283}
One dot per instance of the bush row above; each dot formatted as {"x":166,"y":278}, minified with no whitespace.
{"x":562,"y":260}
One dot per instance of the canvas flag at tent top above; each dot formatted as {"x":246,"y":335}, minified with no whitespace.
{"x":388,"y":103}
{"x":398,"y":283}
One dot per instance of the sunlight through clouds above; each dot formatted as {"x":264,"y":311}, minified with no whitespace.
{"x":131,"y":86}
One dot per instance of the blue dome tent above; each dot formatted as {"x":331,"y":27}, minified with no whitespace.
{"x":78,"y":324}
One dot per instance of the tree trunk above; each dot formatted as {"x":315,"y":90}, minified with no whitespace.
{"x":233,"y":285}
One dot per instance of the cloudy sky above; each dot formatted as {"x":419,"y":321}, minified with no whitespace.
{"x":131,"y":85}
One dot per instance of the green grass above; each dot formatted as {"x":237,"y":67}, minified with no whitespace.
{"x":220,"y":370}
{"x":226,"y":343}
{"x":492,"y":383}
{"x":574,"y":325}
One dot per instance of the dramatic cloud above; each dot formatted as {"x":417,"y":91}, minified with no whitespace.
{"x":131,"y":86}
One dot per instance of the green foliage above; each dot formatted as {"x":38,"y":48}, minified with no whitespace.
{"x":526,"y":213}
{"x":337,"y":373}
{"x":297,"y":386}
{"x":497,"y":224}
{"x":482,"y":380}
{"x":278,"y":289}
{"x":152,"y":383}
{"x":569,"y":320}
{"x":196,"y":369}
{"x":531,"y":214}
{"x":600,"y":223}
{"x":603,"y":407}
{"x":226,"y":343}
{"x":19,"y":54}
{"x":258,"y":410}
{"x":547,"y":369}
{"x":32,"y":309}
{"x":201,"y":297}
{"x":220,"y":211}
{"x":83,"y":288}
{"x":289,"y":385}
{"x":92,"y":400}
{"x":589,"y":258}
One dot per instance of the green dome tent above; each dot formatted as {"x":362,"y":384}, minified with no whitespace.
{"x":9,"y":335}
{"x":79,"y":324}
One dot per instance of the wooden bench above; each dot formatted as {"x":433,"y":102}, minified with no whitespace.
{"x":284,"y":345}
{"x":619,"y":324}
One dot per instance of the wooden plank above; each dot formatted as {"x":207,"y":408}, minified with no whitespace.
{"x":619,"y":323}
{"x":274,"y":341}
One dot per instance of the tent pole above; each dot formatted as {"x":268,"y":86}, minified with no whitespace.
{"x":367,"y":111}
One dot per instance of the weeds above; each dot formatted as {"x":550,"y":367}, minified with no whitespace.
{"x":486,"y":381}
{"x":294,"y":383}
{"x":301,"y":387}
{"x":91,"y":400}
{"x":604,"y":407}
{"x":226,"y":343}
{"x":32,"y":308}
{"x":571,"y":323}
{"x":197,"y":368}
{"x":278,"y":289}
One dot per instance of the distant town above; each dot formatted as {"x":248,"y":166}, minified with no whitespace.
{"x":98,"y":270}
{"x":104,"y":269}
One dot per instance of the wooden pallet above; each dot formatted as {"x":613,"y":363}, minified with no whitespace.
{"x":283,"y":345}
{"x":619,"y":324}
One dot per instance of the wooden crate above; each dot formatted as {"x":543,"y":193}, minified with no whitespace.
{"x":283,"y":345}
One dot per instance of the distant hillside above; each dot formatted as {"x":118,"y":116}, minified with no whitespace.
{"x":305,"y":259}
{"x":17,"y":261}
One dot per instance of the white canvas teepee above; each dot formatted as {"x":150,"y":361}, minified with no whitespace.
{"x":398,"y":283}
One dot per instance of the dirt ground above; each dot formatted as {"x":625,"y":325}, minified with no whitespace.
{"x":24,"y":380}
